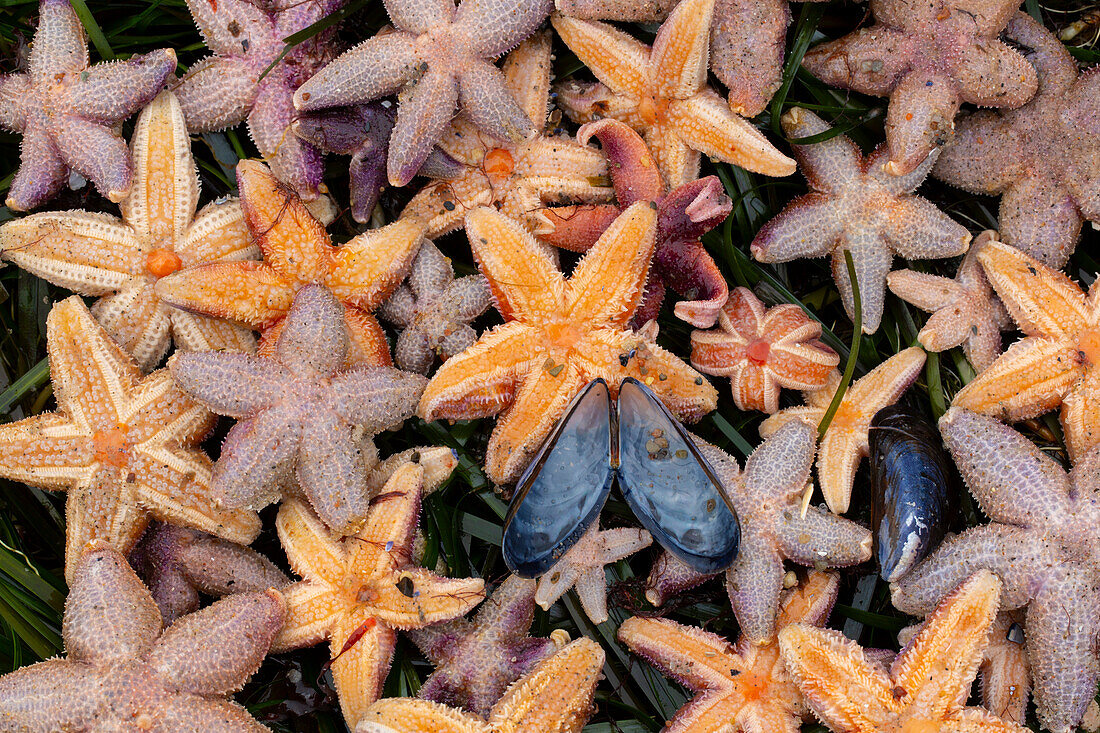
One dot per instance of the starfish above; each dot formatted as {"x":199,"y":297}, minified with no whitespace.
{"x":1058,"y":361}
{"x":554,"y":697}
{"x":121,"y":260}
{"x":1042,"y":542}
{"x":1039,"y":157}
{"x":298,"y":413}
{"x":855,"y":205}
{"x":583,"y":568}
{"x":123,"y":445}
{"x":297,"y":251}
{"x":926,"y":686}
{"x":662,"y":92}
{"x":964,"y":309}
{"x":356,"y":591}
{"x":434,"y":311}
{"x":559,"y":335}
{"x":763,"y":350}
{"x":124,"y":673}
{"x":928,"y":57}
{"x":739,"y":688}
{"x":69,"y":112}
{"x":683,"y":216}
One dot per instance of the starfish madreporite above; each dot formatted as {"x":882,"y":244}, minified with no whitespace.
{"x":159,"y":233}
{"x":357,"y":590}
{"x":559,"y":335}
{"x":438,"y":58}
{"x":1042,"y":158}
{"x":297,"y":252}
{"x":124,"y":672}
{"x":928,"y":56}
{"x":856,"y":205}
{"x":68,"y":111}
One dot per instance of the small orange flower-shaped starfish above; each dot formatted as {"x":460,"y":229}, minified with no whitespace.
{"x":356,"y":591}
{"x":559,"y":335}
{"x":121,"y":260}
{"x":662,"y":92}
{"x":297,"y":251}
{"x":763,"y":350}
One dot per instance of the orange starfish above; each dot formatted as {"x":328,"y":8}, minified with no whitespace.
{"x":122,"y":445}
{"x":1058,"y":361}
{"x":559,"y":335}
{"x":297,"y":251}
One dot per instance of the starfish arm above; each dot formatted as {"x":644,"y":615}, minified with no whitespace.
{"x":828,"y":165}
{"x":803,"y":365}
{"x":233,"y":384}
{"x":697,"y":659}
{"x":422,"y":115}
{"x":360,"y":665}
{"x":59,"y":44}
{"x":258,"y":454}
{"x":330,"y":471}
{"x":632,"y":168}
{"x":810,"y":415}
{"x":248,"y":292}
{"x":872,"y":258}
{"x":1043,"y":301}
{"x":418,"y":716}
{"x":15,"y":89}
{"x":768,"y":719}
{"x":992,"y":74}
{"x":369,"y":267}
{"x":917,"y":230}
{"x":47,"y":450}
{"x":810,"y":226}
{"x":366,"y":180}
{"x":217,"y":567}
{"x":681,"y":51}
{"x":216,"y":93}
{"x":293,"y":160}
{"x":886,"y":383}
{"x":1041,"y":218}
{"x":669,"y":577}
{"x":620,"y":543}
{"x":1005,"y":675}
{"x":705,"y":123}
{"x":218,"y":232}
{"x":485,"y":97}
{"x":96,"y":152}
{"x":754,"y":583}
{"x":184,"y":713}
{"x":870,"y":60}
{"x":780,"y":466}
{"x":838,"y":458}
{"x":528,"y":71}
{"x":492,"y":27}
{"x":676,"y":160}
{"x":231,"y":27}
{"x":376,"y":398}
{"x":311,"y":548}
{"x":928,"y":292}
{"x":312,"y":341}
{"x":556,"y":695}
{"x":688,"y":268}
{"x":986,"y":155}
{"x":51,"y":695}
{"x":616,"y":58}
{"x":420,"y":16}
{"x":467,"y":297}
{"x":922,"y":110}
{"x":1081,"y":416}
{"x":434,"y":599}
{"x":554,"y":584}
{"x":112,"y":91}
{"x":430,"y":273}
{"x":746,"y":48}
{"x":376,"y":67}
{"x":509,"y":611}
{"x":980,"y":720}
{"x":821,"y":537}
{"x":385,"y":543}
{"x":199,"y":333}
{"x":401,"y":307}
{"x":42,"y":172}
{"x":413,"y":352}
{"x":313,"y":610}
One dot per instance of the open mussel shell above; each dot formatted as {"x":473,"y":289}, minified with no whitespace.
{"x":670,"y":486}
{"x":564,"y":487}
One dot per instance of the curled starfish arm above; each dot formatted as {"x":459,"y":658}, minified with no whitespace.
{"x":236,"y":385}
{"x":484,"y":95}
{"x":313,"y":610}
{"x":754,"y":583}
{"x":217,"y":93}
{"x":248,"y":292}
{"x":697,"y":659}
{"x":330,"y":471}
{"x":917,"y":229}
{"x":706,"y":124}
{"x":368,"y":268}
{"x":922,"y":109}
{"x":632,"y":171}
{"x":994,"y":74}
{"x":93,"y":150}
{"x":374,"y":398}
{"x":822,"y":536}
{"x":616,"y":58}
{"x":808,"y":227}
{"x":421,"y":119}
{"x":51,"y":695}
{"x":360,"y":665}
{"x":418,"y":716}
{"x":42,"y":172}
{"x":257,"y":455}
{"x":377,"y":66}
{"x":669,"y":577}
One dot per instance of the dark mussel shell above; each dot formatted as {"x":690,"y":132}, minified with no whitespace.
{"x":916,"y":489}
{"x":670,"y":486}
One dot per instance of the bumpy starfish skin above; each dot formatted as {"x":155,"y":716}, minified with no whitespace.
{"x":762,"y":351}
{"x":1058,"y":361}
{"x":1043,"y":159}
{"x":297,"y":252}
{"x":559,"y":335}
{"x":439,"y":59}
{"x":964,"y":309}
{"x":926,"y":686}
{"x":357,"y":590}
{"x":121,"y":260}
{"x":554,"y":697}
{"x":122,"y":445}
{"x":739,"y":687}
{"x":928,"y":56}
{"x":298,"y":413}
{"x":662,"y":92}
{"x":856,"y":205}
{"x":1043,"y":542}
{"x":68,"y":111}
{"x":122,"y":673}
{"x":683,"y":216}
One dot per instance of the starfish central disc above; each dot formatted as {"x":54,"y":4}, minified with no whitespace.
{"x":653,"y":109}
{"x":499,"y":164}
{"x":111,"y":446}
{"x":564,"y":335}
{"x":162,"y":262}
{"x":758,"y":352}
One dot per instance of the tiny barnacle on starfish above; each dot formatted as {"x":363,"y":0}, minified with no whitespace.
{"x":125,"y":672}
{"x":68,"y":112}
{"x":855,"y":205}
{"x":928,"y":56}
{"x":159,"y":233}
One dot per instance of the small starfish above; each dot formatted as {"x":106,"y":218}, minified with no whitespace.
{"x":122,"y":445}
{"x":1058,"y":361}
{"x":740,"y":688}
{"x":559,"y":334}
{"x":554,"y":697}
{"x":298,"y":413}
{"x":357,"y":590}
{"x":437,"y":59}
{"x":662,"y":91}
{"x":124,"y":673}
{"x":297,"y":251}
{"x":69,"y":112}
{"x":434,"y":311}
{"x":925,"y":688}
{"x":1040,"y":157}
{"x":475,"y":661}
{"x":683,"y":216}
{"x":121,"y":260}
{"x":762,"y":351}
{"x":845,"y":442}
{"x":583,"y":567}
{"x":964,"y":310}
{"x":1042,"y":541}
{"x":857,"y":206}
{"x":928,"y":57}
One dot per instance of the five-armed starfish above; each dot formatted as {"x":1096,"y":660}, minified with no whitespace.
{"x":559,"y":335}
{"x":856,"y":205}
{"x":928,"y":56}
